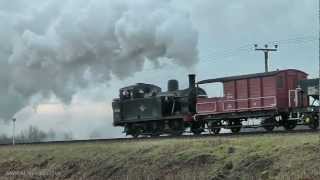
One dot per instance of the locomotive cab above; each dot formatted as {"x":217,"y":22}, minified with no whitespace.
{"x":135,"y":103}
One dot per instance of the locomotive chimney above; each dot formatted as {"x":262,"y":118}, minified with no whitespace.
{"x":192,"y":81}
{"x":173,"y":85}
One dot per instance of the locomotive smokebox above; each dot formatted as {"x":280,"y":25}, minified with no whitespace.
{"x":192,"y":80}
{"x":173,"y":85}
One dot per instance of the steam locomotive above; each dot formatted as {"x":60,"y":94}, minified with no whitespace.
{"x":282,"y":98}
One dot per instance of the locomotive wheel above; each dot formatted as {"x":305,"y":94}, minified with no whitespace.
{"x":177,"y":128}
{"x":238,"y":125}
{"x":313,"y":122}
{"x":268,"y":124}
{"x":157,"y":129}
{"x":133,"y":130}
{"x":215,"y":127}
{"x":289,"y":125}
{"x":196,"y":131}
{"x":136,"y":133}
{"x":196,"y":128}
{"x":155,"y":134}
{"x":177,"y":133}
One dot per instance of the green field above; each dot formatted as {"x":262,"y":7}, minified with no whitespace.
{"x":261,"y":157}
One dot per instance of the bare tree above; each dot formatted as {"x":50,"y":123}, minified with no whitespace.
{"x":68,"y":136}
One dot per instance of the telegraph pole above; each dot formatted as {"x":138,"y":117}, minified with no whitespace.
{"x":13,"y":130}
{"x":319,"y":52}
{"x":266,"y":51}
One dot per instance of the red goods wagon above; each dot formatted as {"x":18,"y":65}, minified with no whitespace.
{"x":275,"y":90}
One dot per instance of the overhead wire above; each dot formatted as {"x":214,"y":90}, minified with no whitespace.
{"x":248,"y":48}
{"x":213,"y":56}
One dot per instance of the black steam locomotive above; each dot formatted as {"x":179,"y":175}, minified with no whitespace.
{"x":143,"y":109}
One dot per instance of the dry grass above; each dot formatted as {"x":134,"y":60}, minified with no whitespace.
{"x":264,"y":157}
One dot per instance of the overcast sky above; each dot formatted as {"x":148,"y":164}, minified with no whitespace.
{"x":63,"y":63}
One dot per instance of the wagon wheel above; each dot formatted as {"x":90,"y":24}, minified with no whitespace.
{"x":313,"y":121}
{"x":268,"y":124}
{"x":289,"y":125}
{"x":216,"y":130}
{"x":238,"y":125}
{"x":215,"y":127}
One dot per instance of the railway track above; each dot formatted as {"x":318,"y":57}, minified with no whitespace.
{"x":222,"y":135}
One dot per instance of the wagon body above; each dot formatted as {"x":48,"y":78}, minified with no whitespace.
{"x":271,"y":91}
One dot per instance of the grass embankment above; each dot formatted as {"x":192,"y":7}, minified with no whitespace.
{"x":264,"y":157}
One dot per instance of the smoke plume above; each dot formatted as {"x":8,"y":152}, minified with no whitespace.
{"x":58,"y":47}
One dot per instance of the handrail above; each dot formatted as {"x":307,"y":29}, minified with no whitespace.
{"x":238,"y":100}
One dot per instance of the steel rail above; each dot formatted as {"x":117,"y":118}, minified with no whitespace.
{"x":222,"y":135}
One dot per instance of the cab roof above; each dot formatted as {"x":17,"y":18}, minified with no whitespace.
{"x":140,"y":85}
{"x":246,"y":76}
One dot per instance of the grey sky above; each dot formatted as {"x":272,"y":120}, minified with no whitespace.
{"x":223,"y":27}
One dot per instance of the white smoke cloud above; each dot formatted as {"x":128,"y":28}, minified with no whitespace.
{"x":57,"y":48}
